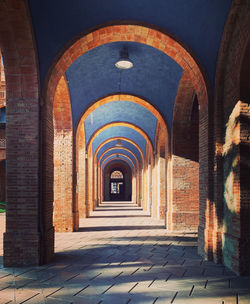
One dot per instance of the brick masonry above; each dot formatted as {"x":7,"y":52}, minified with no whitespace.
{"x":223,"y":161}
{"x":63,"y":158}
{"x":184,"y":207}
{"x":22,"y":240}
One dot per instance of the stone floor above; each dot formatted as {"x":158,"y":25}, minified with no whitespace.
{"x":121,"y":256}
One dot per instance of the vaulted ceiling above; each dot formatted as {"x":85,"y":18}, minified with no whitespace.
{"x":155,"y":77}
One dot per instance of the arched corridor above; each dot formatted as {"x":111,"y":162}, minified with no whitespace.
{"x":126,"y":120}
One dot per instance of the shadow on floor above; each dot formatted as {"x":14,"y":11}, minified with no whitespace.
{"x":110,"y":228}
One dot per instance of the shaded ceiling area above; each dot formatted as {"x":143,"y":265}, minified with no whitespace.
{"x":124,"y":144}
{"x":198,"y":23}
{"x":154,"y":77}
{"x":120,"y":111}
{"x":118,"y":152}
{"x":118,"y":160}
{"x":120,"y":131}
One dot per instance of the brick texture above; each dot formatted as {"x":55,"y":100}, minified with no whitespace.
{"x":63,"y":158}
{"x":23,"y":242}
{"x":184,"y":207}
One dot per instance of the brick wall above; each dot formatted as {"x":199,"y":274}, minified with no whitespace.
{"x":231,"y":145}
{"x":63,"y":159}
{"x":184,"y":208}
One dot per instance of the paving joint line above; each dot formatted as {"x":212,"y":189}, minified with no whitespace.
{"x":72,"y":277}
{"x":191,"y":291}
{"x":29,"y":298}
{"x":108,"y":289}
{"x":152,"y":282}
{"x":48,"y":279}
{"x":135,"y":271}
{"x":95,"y":276}
{"x":168,"y":277}
{"x":118,"y":275}
{"x":81,"y":290}
{"x":133,"y":287}
{"x":54,"y":292}
{"x":172,"y":301}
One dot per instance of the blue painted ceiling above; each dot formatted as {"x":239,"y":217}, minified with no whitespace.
{"x":198,"y":23}
{"x":120,"y":132}
{"x":124,"y":143}
{"x":119,"y":152}
{"x":154,"y":77}
{"x":124,"y":111}
{"x":121,"y":159}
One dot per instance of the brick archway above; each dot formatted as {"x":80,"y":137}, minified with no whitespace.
{"x":108,"y":34}
{"x":129,"y":32}
{"x":122,"y":124}
{"x":125,"y":149}
{"x":122,"y":138}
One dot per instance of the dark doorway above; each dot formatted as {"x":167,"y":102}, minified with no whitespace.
{"x":117,"y":185}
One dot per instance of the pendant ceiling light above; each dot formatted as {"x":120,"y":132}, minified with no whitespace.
{"x":124,"y":63}
{"x":118,"y":143}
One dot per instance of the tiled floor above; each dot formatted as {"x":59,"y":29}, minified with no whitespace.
{"x":121,"y":256}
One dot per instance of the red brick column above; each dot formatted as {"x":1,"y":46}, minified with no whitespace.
{"x":231,"y":144}
{"x":23,"y":241}
{"x":185,"y":159}
{"x":63,"y":158}
{"x":81,"y":173}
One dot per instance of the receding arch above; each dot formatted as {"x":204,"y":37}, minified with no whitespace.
{"x":117,"y":157}
{"x":121,"y":138}
{"x":127,"y":170}
{"x":122,"y":124}
{"x":129,"y":32}
{"x":146,"y":35}
{"x":123,"y":148}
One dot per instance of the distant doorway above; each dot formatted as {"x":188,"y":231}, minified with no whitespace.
{"x":117,"y":186}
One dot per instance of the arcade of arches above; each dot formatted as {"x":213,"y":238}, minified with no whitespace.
{"x":171,"y":134}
